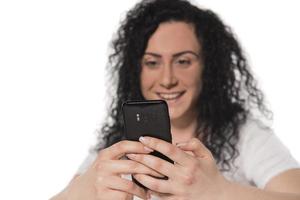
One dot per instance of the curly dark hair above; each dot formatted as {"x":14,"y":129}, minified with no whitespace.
{"x":229,"y":90}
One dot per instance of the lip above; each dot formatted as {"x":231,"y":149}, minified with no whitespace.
{"x":173,"y":92}
{"x":170,"y":97}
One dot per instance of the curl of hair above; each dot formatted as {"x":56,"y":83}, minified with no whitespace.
{"x":229,"y":90}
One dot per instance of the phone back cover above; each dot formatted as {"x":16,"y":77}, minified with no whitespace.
{"x":147,"y":118}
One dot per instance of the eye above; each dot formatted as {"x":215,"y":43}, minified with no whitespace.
{"x":151,"y":63}
{"x":183,"y":62}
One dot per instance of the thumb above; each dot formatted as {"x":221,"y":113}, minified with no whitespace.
{"x":195,"y":146}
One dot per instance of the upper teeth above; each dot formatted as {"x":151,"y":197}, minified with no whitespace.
{"x":170,"y":95}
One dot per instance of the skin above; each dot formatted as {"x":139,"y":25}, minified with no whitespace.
{"x":195,"y":174}
{"x":172,"y":63}
{"x":103,"y":181}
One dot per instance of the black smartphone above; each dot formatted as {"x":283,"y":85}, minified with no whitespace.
{"x":147,"y":118}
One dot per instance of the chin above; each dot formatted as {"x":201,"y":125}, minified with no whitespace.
{"x":174,"y":114}
{"x":180,"y":112}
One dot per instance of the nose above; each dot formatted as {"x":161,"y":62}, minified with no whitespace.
{"x":167,"y":77}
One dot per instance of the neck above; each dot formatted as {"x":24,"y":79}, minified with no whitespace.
{"x":184,"y":129}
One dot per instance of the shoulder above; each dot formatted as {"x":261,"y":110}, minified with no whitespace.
{"x":262,"y":154}
{"x":254,"y":131}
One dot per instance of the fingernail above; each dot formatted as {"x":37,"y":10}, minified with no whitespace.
{"x":181,"y":144}
{"x":143,"y":140}
{"x":148,"y":149}
{"x":131,"y":156}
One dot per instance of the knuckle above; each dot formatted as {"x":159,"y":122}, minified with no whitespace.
{"x":99,"y":180}
{"x":170,"y":150}
{"x":152,"y":142}
{"x":100,"y":166}
{"x":134,"y":166}
{"x":189,"y":175}
{"x":130,"y":186}
{"x":157,"y":164}
{"x":195,"y":142}
{"x":194,"y":165}
{"x":98,"y":186}
{"x":188,"y":179}
{"x":120,"y":146}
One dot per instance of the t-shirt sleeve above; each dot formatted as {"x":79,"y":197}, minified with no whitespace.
{"x":263,"y":155}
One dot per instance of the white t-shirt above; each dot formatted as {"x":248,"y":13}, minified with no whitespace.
{"x":262,"y":156}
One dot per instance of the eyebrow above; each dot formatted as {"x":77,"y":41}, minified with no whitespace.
{"x":174,"y":55}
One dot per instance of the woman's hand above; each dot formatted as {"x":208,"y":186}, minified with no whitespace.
{"x":103,"y":179}
{"x":193,"y":176}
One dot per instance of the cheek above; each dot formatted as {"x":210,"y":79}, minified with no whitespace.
{"x":191,"y":79}
{"x":194,"y":87}
{"x":146,"y":81}
{"x":197,"y":86}
{"x":193,"y":83}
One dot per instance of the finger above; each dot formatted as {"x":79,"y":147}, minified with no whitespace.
{"x":157,"y":185}
{"x":169,"y":150}
{"x":118,"y":150}
{"x":157,"y":195}
{"x":126,"y":167}
{"x":190,"y":153}
{"x":120,"y":184}
{"x":163,"y":167}
{"x":197,"y":147}
{"x":112,"y":194}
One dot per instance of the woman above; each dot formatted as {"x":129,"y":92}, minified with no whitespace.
{"x":172,"y":50}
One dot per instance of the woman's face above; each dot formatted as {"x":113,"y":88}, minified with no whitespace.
{"x":172,"y":68}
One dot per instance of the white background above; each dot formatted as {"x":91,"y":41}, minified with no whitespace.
{"x":52,"y":88}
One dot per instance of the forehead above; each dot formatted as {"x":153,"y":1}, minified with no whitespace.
{"x":173,"y":37}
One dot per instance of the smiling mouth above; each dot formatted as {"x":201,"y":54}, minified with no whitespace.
{"x":170,"y":96}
